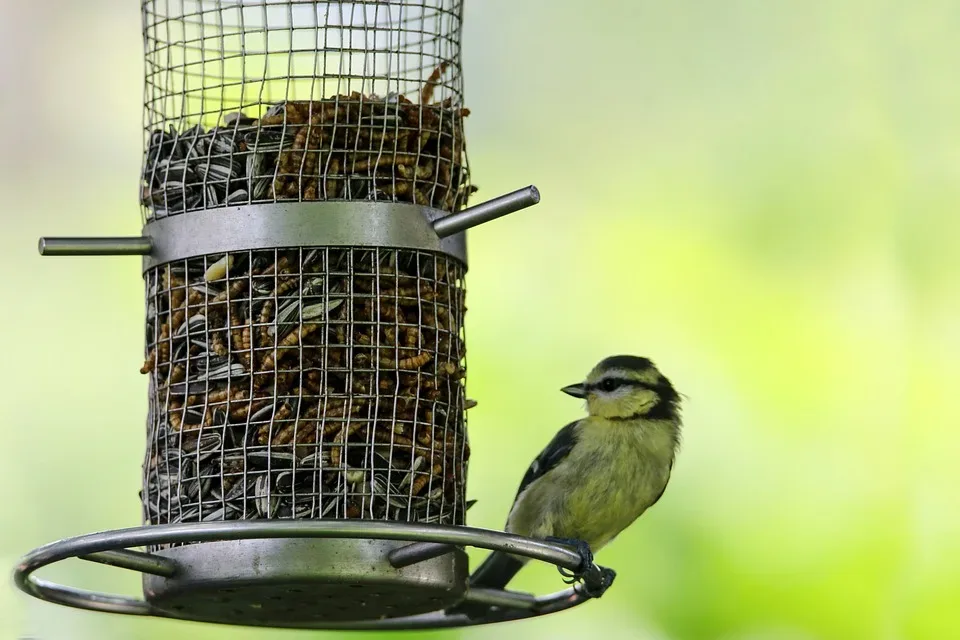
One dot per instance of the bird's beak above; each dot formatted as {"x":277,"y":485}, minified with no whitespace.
{"x":575,"y":390}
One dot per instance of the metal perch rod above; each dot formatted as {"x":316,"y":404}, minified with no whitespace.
{"x":129,"y":246}
{"x":487,"y":211}
{"x":135,"y":561}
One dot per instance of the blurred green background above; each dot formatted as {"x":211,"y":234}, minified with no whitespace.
{"x":760,"y":196}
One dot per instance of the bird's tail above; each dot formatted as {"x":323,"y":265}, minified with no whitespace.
{"x":496,"y":571}
{"x":493,"y":573}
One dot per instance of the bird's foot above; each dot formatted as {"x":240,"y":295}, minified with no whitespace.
{"x":596,"y":583}
{"x":586,"y":558}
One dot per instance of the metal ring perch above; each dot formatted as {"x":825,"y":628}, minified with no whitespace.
{"x":427,"y":541}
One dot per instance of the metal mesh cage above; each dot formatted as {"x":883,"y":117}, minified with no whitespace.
{"x":304,"y":384}
{"x":322,"y":382}
{"x":257,"y":101}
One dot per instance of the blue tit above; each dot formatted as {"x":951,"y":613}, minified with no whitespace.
{"x":600,"y":473}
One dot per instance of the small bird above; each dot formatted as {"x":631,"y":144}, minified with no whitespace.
{"x":600,"y":473}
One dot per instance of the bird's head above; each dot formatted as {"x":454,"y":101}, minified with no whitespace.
{"x":627,"y":387}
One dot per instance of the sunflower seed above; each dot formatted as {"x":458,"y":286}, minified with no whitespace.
{"x":290,"y":315}
{"x":331,"y":504}
{"x":210,"y":362}
{"x":315,"y":460}
{"x":437,"y":517}
{"x":240,"y":195}
{"x":214,"y":515}
{"x":407,"y":479}
{"x":211,"y":193}
{"x":305,"y":509}
{"x":190,"y":515}
{"x":219,"y":171}
{"x":230,"y":371}
{"x":284,"y":481}
{"x":262,"y":413}
{"x":274,"y":459}
{"x":241,"y":488}
{"x":194,"y":324}
{"x":238,"y":118}
{"x":266,"y":504}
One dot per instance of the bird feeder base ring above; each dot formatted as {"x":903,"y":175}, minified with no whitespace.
{"x":298,"y":574}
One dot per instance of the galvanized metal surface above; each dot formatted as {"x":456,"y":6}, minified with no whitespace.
{"x":290,"y":582}
{"x":303,"y":224}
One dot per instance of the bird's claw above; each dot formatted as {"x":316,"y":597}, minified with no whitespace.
{"x":594,"y":579}
{"x":586,"y":559}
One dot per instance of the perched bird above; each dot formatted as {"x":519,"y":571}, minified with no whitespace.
{"x":600,"y":473}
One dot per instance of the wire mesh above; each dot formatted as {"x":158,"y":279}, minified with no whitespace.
{"x":306,"y":383}
{"x":261,"y":101}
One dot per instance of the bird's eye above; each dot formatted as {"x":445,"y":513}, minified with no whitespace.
{"x":609,"y":385}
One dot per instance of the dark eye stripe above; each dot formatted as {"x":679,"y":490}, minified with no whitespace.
{"x":620,"y":382}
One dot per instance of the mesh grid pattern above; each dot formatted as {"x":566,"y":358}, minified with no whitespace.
{"x":306,"y":383}
{"x":261,"y":101}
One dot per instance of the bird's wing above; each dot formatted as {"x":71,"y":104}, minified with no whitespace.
{"x":552,"y":455}
{"x":665,"y":483}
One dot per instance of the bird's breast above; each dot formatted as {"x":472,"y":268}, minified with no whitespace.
{"x":610,"y":479}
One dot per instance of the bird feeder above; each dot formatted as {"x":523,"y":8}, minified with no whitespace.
{"x":304,"y":198}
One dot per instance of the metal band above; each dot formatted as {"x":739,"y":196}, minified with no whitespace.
{"x":298,"y":224}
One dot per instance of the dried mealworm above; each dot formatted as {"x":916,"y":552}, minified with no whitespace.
{"x":217,"y":344}
{"x":340,"y":431}
{"x":330,"y":185}
{"x":292,"y":339}
{"x":150,"y":363}
{"x":277,"y":267}
{"x":312,"y":382}
{"x":246,"y":410}
{"x":178,"y":374}
{"x":387,"y":160}
{"x":448,"y":368}
{"x":419,"y":483}
{"x":216,"y":397}
{"x":181,"y":313}
{"x":173,"y":415}
{"x":413,"y":362}
{"x":310,"y":190}
{"x":163,"y":346}
{"x":426,"y":94}
{"x":412,"y":337}
{"x":286,"y":433}
{"x":232,"y":291}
